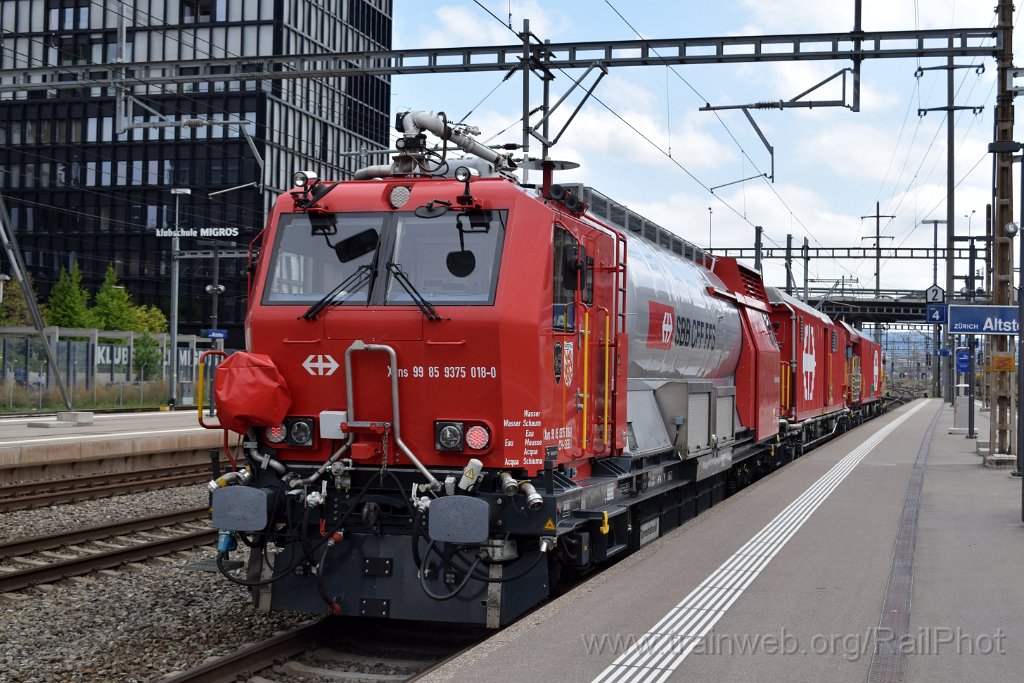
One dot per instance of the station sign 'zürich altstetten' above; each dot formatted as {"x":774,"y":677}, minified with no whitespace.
{"x":983,"y":320}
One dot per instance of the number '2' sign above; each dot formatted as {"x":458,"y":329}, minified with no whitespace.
{"x":935,"y":295}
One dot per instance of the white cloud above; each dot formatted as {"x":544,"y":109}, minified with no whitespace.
{"x":850,"y":150}
{"x":877,"y":15}
{"x":452,"y":25}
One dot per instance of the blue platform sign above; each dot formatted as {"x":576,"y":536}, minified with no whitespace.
{"x":935,"y":313}
{"x":983,"y":320}
{"x":945,"y":352}
{"x":963,"y":360}
{"x":215,"y":334}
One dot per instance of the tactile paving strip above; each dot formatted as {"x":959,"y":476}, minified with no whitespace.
{"x":888,"y":663}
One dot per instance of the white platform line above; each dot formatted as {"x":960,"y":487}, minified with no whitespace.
{"x":4,"y":421}
{"x":93,"y":437}
{"x":681,"y":630}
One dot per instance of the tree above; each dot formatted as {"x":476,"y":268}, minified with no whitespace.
{"x":149,"y":319}
{"x":113,"y":309}
{"x":68,"y":303}
{"x":14,"y":309}
{"x":147,"y":360}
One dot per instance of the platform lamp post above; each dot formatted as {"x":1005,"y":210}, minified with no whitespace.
{"x":709,"y":228}
{"x":177,"y":192}
{"x":216,"y":289}
{"x":1011,"y":229}
{"x":971,"y":434}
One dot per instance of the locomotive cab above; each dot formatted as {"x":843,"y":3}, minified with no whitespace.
{"x":492,"y":362}
{"x":446,"y":342}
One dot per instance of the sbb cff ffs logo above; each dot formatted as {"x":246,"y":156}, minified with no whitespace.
{"x":666,"y":329}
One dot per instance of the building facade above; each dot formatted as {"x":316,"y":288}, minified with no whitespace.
{"x":87,"y":173}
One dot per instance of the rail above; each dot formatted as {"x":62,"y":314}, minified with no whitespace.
{"x":364,"y":653}
{"x":49,"y":541}
{"x":39,"y":571}
{"x":25,"y":495}
{"x":252,"y":658}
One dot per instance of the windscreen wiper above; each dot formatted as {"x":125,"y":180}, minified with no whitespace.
{"x":356,"y":280}
{"x":407,"y":285}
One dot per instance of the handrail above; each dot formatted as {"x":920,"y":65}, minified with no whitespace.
{"x":586,"y":369}
{"x":202,"y":386}
{"x":784,"y":385}
{"x":828,"y":373}
{"x":607,"y":356}
{"x":360,"y":345}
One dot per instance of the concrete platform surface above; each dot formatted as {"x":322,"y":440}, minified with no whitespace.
{"x":738,"y":594}
{"x":108,"y":435}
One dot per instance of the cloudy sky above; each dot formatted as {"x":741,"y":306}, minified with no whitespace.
{"x":831,"y":165}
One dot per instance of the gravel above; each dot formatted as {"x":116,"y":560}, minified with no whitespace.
{"x":138,"y":623}
{"x":54,"y":518}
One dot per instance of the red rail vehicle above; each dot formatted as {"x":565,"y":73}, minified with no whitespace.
{"x":459,"y":390}
{"x":864,"y":368}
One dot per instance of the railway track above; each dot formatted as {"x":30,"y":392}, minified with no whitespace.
{"x":25,"y":495}
{"x":336,"y":649}
{"x":43,"y":559}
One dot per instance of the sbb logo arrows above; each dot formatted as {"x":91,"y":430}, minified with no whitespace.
{"x":661,"y":323}
{"x":876,"y":381}
{"x":317,"y":364}
{"x":810,"y":365}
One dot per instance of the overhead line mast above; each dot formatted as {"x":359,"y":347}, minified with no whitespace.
{"x":1001,"y":433}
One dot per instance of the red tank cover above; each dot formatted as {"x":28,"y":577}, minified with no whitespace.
{"x":757,"y":374}
{"x":250,"y":392}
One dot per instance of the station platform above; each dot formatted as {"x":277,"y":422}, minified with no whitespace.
{"x":108,"y":437}
{"x":890,"y":553}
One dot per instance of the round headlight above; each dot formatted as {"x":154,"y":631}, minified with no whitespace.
{"x":462,"y":174}
{"x":303,"y":178}
{"x":301,"y":433}
{"x":276,"y":434}
{"x":450,"y":437}
{"x":477,"y":437}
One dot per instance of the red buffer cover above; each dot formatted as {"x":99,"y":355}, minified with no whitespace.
{"x":250,"y":392}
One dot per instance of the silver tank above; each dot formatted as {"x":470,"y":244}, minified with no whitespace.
{"x":676,"y":329}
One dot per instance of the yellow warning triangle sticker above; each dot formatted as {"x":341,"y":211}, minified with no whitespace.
{"x":550,"y":525}
{"x":468,"y":474}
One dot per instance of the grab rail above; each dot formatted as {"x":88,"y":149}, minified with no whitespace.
{"x":202,"y":386}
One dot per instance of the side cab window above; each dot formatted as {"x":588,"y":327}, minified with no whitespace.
{"x":573,"y":272}
{"x":563,"y":290}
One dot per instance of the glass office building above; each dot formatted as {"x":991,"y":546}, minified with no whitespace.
{"x":88,"y":180}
